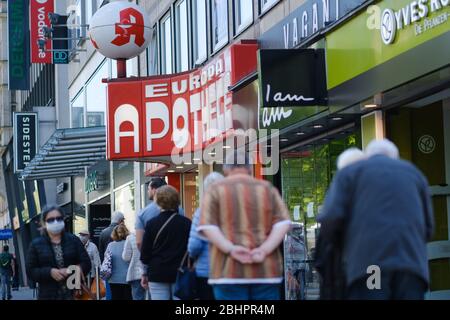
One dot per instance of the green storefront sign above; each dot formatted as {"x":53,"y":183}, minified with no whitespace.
{"x":384,"y":31}
{"x":18,"y":45}
{"x":91,"y":182}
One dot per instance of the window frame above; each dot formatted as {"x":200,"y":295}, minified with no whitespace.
{"x":81,"y":92}
{"x":220,"y":45}
{"x":154,"y":41}
{"x":167,"y":15}
{"x":237,"y":30}
{"x":264,"y":8}
{"x":176,"y":36}
{"x":195,"y":60}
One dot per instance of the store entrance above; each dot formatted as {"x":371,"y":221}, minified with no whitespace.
{"x":307,"y":172}
{"x":99,"y":217}
{"x":421,"y":130}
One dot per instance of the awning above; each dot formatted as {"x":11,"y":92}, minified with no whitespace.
{"x":67,"y":153}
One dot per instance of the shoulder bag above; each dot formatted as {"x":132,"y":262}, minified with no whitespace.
{"x":186,"y":283}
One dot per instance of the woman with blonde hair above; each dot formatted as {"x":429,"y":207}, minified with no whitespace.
{"x":114,"y":268}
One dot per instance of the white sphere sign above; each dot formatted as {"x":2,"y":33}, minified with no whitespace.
{"x":120,"y":30}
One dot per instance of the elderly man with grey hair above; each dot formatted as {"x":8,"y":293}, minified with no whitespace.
{"x":105,"y":236}
{"x":350,"y":156}
{"x":245,"y":220}
{"x":380,"y":211}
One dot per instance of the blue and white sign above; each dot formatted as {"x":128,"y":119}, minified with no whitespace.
{"x":6,"y":234}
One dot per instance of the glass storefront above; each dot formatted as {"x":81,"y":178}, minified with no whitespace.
{"x":190,"y":194}
{"x":124,"y":202}
{"x":421,"y":130}
{"x":306,"y":173}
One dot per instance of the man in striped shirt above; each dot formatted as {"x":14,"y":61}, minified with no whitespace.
{"x":245,"y":221}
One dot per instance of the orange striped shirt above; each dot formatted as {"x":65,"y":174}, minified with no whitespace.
{"x":245,"y":210}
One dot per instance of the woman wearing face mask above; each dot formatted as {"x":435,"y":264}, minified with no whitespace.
{"x":92,"y":251}
{"x":50,"y":256}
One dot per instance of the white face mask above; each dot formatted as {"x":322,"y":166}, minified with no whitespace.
{"x":55,"y":227}
{"x":84,"y":239}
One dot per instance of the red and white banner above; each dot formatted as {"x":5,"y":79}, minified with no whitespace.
{"x":175,"y":114}
{"x":39,"y":10}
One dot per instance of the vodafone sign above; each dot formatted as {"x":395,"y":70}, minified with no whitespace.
{"x":39,"y":10}
{"x":120,"y":30}
{"x":174,"y":114}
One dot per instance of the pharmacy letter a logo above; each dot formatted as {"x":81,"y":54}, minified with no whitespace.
{"x":131,"y":24}
{"x":124,"y":130}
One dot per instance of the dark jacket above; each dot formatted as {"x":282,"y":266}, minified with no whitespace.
{"x":165,"y":257}
{"x":41,"y":259}
{"x":382,"y":208}
{"x":105,"y":239}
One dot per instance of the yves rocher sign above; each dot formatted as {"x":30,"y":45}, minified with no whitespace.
{"x":179,"y":113}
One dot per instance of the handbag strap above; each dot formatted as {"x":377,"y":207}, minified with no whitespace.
{"x":163,"y":226}
{"x":191,"y":264}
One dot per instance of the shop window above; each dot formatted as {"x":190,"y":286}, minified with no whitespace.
{"x":96,"y":98}
{"x":166,"y":44}
{"x":199,"y":22}
{"x":182,"y":38}
{"x":243,"y":15}
{"x":219,"y":23}
{"x":266,"y":5}
{"x":77,"y":111}
{"x":124,"y":202}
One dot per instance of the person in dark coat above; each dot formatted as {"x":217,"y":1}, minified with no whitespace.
{"x":105,"y":236}
{"x":50,"y":256}
{"x":381,"y":207}
{"x":329,"y":262}
{"x":165,"y":244}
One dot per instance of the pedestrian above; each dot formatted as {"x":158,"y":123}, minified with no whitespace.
{"x":198,"y":247}
{"x":165,"y":244}
{"x":149,"y":212}
{"x":381,"y":208}
{"x":15,"y":282}
{"x":52,"y":256}
{"x":245,"y":220}
{"x":329,"y":260}
{"x":92,"y":251}
{"x":7,"y":270}
{"x":132,"y":255}
{"x":105,"y":236}
{"x":349,"y":156}
{"x":120,"y":288}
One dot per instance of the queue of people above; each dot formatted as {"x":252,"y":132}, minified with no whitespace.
{"x":377,"y":212}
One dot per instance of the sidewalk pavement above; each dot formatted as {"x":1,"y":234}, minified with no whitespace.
{"x":24,"y":293}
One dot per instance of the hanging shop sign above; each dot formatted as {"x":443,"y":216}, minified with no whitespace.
{"x":25,"y":139}
{"x":292,"y":77}
{"x":120,"y":30}
{"x":173,"y":114}
{"x":19,"y":45}
{"x":39,"y":10}
{"x":416,"y":14}
{"x":306,"y":21}
{"x":6,"y":234}
{"x":60,"y":42}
